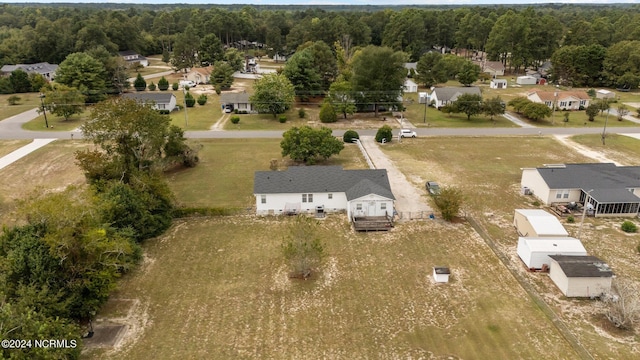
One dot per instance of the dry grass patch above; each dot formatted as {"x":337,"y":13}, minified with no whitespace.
{"x":27,"y":102}
{"x":229,"y":295}
{"x":620,"y":148}
{"x":8,"y":146}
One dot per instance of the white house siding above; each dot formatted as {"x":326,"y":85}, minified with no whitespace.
{"x":276,"y":203}
{"x":532,"y":179}
{"x":564,"y":195}
{"x":370,"y":205}
{"x":535,"y":252}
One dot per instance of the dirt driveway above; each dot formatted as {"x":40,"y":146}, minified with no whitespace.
{"x":408,"y":197}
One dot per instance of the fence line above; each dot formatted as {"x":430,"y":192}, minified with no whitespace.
{"x":415,"y":215}
{"x":364,"y":153}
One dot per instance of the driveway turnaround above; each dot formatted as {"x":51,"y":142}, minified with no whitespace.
{"x":23,"y":151}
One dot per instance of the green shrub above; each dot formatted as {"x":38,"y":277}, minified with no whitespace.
{"x":175,"y":86}
{"x":189,"y":100}
{"x":349,"y":135}
{"x":163,"y":84}
{"x":218,"y":89}
{"x":301,"y":113}
{"x":202,"y":99}
{"x":13,"y":100}
{"x":629,"y":227}
{"x":571,"y":219}
{"x":152,"y":87}
{"x":235,"y":119}
{"x":328,"y":113}
{"x":536,"y":203}
{"x":140,"y":84}
{"x":385,"y":133}
{"x":282,"y":119}
{"x":164,"y":112}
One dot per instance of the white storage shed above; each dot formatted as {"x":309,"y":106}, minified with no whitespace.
{"x":538,"y":223}
{"x":535,"y":252}
{"x":580,"y":276}
{"x":526,"y":80}
{"x":498,"y":84}
{"x":441,"y":274}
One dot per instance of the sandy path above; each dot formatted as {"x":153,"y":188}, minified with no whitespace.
{"x":408,"y":197}
{"x":565,"y":139}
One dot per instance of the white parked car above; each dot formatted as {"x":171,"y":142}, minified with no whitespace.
{"x":407,"y":133}
{"x":187,"y":83}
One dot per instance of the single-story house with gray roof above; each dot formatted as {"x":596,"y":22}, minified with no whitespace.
{"x":304,"y":189}
{"x":580,"y":276}
{"x":609,"y":190}
{"x":160,"y":100}
{"x":48,"y":71}
{"x":237,"y":101}
{"x":443,"y":96}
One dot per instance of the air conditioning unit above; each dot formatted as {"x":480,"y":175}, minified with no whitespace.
{"x":526,"y":191}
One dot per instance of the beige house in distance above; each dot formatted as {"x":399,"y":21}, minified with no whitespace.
{"x":564,"y":100}
{"x":199,"y":75}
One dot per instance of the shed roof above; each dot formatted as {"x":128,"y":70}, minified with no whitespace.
{"x":157,"y":97}
{"x":543,"y":223}
{"x":553,"y":244}
{"x":582,"y":266}
{"x":441,"y":270}
{"x":324,"y":179}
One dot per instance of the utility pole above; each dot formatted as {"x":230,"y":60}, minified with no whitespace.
{"x":44,"y":110}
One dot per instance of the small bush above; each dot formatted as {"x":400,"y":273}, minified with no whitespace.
{"x":152,"y":87}
{"x":328,"y":113}
{"x":164,"y":112}
{"x":189,"y":100}
{"x":571,"y":219}
{"x":218,"y":89}
{"x":202,"y":99}
{"x":282,"y":119}
{"x":163,"y":84}
{"x":385,"y":133}
{"x":536,"y":203}
{"x":349,"y":135}
{"x":629,"y":227}
{"x":13,"y":100}
{"x":301,"y":113}
{"x":235,"y":119}
{"x":175,"y":86}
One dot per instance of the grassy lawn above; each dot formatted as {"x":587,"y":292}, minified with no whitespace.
{"x":199,"y":117}
{"x":27,"y":102}
{"x":227,"y":167}
{"x":7,"y":146}
{"x":56,"y":123}
{"x":623,"y":149}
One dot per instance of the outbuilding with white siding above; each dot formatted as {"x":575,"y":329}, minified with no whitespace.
{"x":535,"y":252}
{"x":580,"y":276}
{"x":538,"y":223}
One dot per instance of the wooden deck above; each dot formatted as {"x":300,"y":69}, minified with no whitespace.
{"x":372,"y":223}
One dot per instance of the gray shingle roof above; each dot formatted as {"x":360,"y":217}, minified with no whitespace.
{"x":234,"y":98}
{"x":158,"y":98}
{"x":582,"y":266}
{"x":40,"y":68}
{"x":323,"y":179}
{"x":452,"y":93}
{"x":608,"y":181}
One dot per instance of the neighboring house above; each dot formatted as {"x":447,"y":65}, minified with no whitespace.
{"x":493,"y":68}
{"x":443,"y":96}
{"x":526,"y":80}
{"x":580,"y":276}
{"x":410,"y":86}
{"x":306,"y":189}
{"x":48,"y":71}
{"x":537,"y":223}
{"x":132,"y":57}
{"x":236,"y":101}
{"x":199,"y":75}
{"x":535,"y":252}
{"x":564,"y":100}
{"x":611,"y":189}
{"x":498,"y":84}
{"x":279,"y":57}
{"x":605,"y":94}
{"x":160,"y":100}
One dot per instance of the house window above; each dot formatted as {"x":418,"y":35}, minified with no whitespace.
{"x":307,"y":198}
{"x":383,"y":206}
{"x":263,"y":199}
{"x":583,"y":102}
{"x":161,"y":106}
{"x":358,"y":206}
{"x":562,"y":194}
{"x":548,"y":103}
{"x":563,"y":104}
{"x":330,"y":196}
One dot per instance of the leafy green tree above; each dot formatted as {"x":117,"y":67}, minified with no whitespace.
{"x":211,"y":49}
{"x":328,"y":113}
{"x":578,"y":65}
{"x":185,"y":49}
{"x":623,"y":111}
{"x":175,"y":86}
{"x":234,"y":58}
{"x":83,"y":72}
{"x":428,"y":73}
{"x":324,"y":62}
{"x":492,"y":107}
{"x":37,"y":81}
{"x":449,"y":201}
{"x":308,"y":145}
{"x":5,"y":86}
{"x":20,"y":81}
{"x":62,"y":100}
{"x":300,"y":70}
{"x":592,"y":111}
{"x":406,"y":31}
{"x":628,"y":81}
{"x":469,"y":104}
{"x":341,"y":98}
{"x":302,"y":247}
{"x":202,"y":99}
{"x":536,"y":111}
{"x":189,"y":100}
{"x":222,"y":75}
{"x":163,"y":84}
{"x":519,"y":103}
{"x":621,"y":61}
{"x":378,"y":76}
{"x":469,"y":73}
{"x":273,"y":94}
{"x":384,"y":133}
{"x":140,"y":84}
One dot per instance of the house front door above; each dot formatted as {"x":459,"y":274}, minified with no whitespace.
{"x":371,"y":208}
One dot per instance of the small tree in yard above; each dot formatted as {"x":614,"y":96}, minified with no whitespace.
{"x":202,"y":99}
{"x":307,"y":144}
{"x":140,"y":84}
{"x":189,"y":100}
{"x":62,"y":100}
{"x":152,"y":86}
{"x":622,"y":111}
{"x":13,"y":100}
{"x":519,"y":103}
{"x":623,"y":304}
{"x":592,"y":111}
{"x":536,"y":111}
{"x":328,"y":113}
{"x":163,"y":84}
{"x":469,"y":104}
{"x":302,"y":248}
{"x":449,"y":202}
{"x":175,"y":86}
{"x":385,"y":133}
{"x":493,"y":107}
